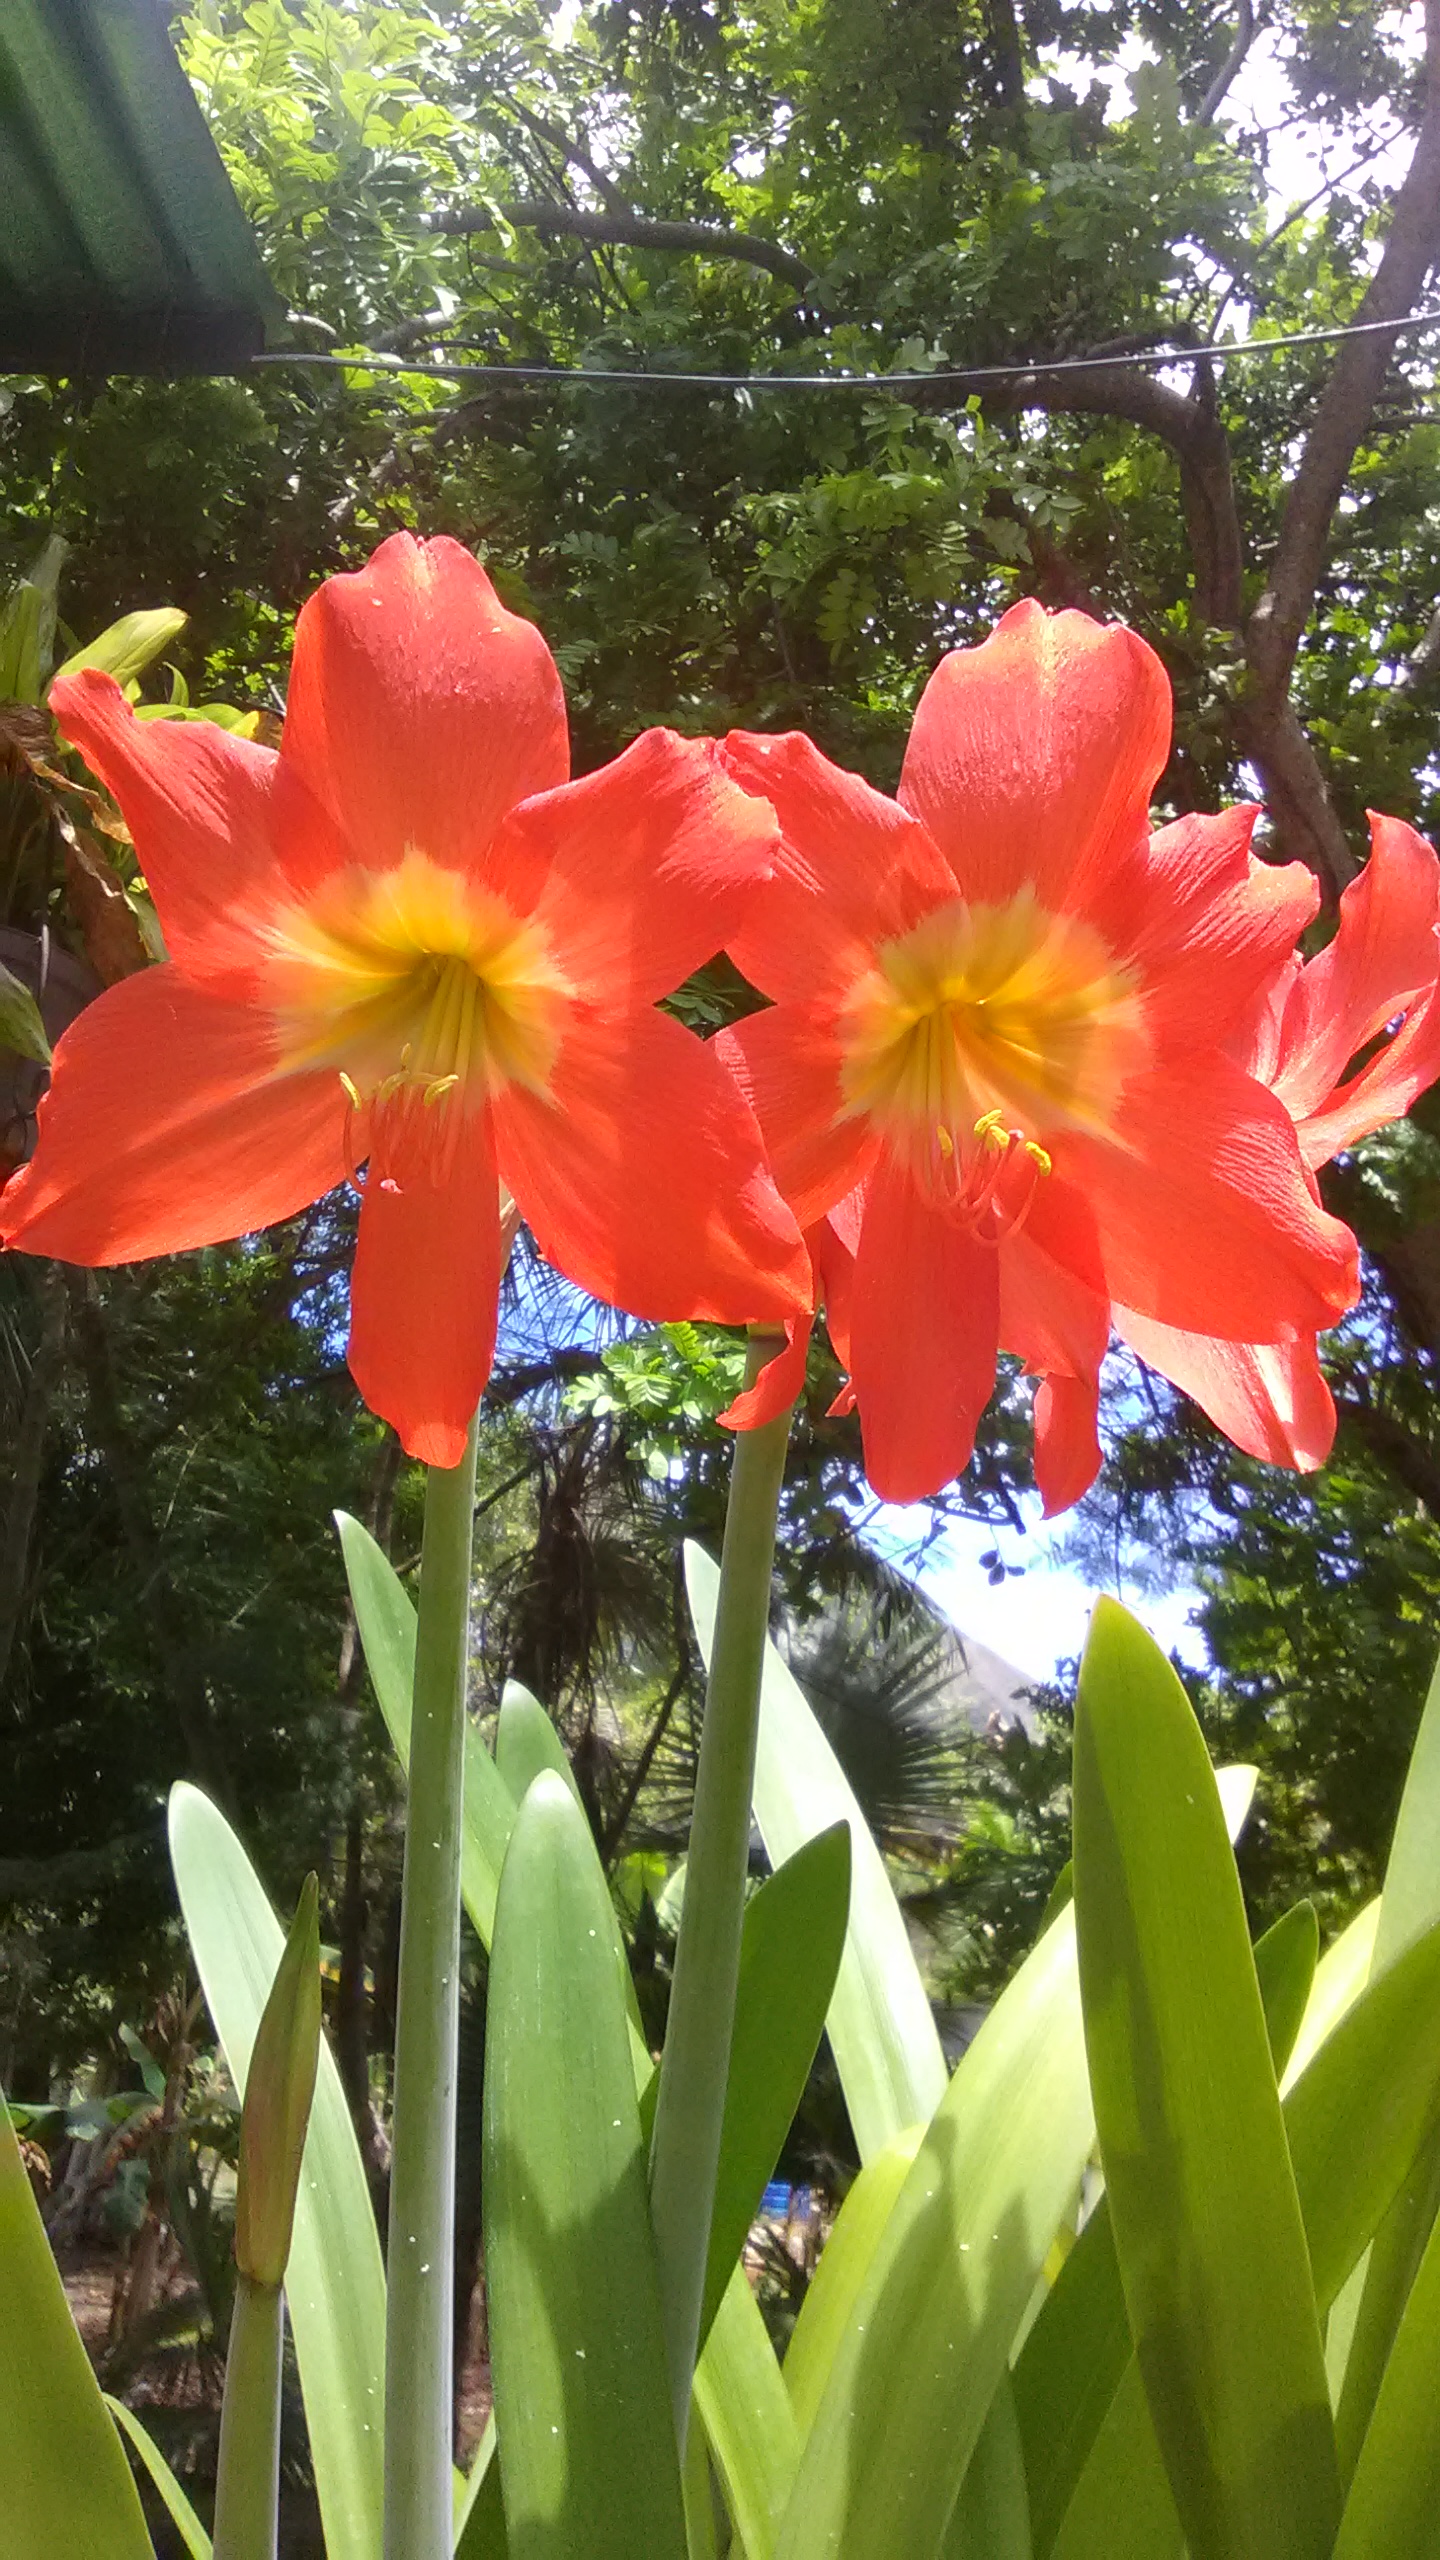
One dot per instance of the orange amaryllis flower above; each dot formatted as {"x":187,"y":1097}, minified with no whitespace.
{"x":1377,"y":977}
{"x":407,"y":941}
{"x":1000,"y":1016}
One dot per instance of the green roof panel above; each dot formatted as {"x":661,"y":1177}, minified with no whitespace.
{"x":122,"y":246}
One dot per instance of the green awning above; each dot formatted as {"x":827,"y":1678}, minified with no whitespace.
{"x":122,"y":246}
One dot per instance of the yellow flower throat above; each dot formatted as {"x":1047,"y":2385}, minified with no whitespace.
{"x":980,"y":1033}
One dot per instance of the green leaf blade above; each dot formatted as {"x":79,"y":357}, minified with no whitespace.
{"x":916,"y":2370}
{"x":335,"y":2282}
{"x":790,"y":1950}
{"x":1202,"y":2196}
{"x":67,"y":2484}
{"x":588,"y":2459}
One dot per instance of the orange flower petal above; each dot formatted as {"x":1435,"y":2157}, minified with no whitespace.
{"x":639,"y":873}
{"x":1033,"y":757}
{"x":167,"y":1126}
{"x":1054,"y":1321}
{"x":923,"y":1330}
{"x":419,"y":710}
{"x":1067,"y":1442}
{"x":1395,"y":1077}
{"x":222,"y":832}
{"x":787,"y":1063}
{"x":642,"y":1176}
{"x":1384,"y":953}
{"x":1271,"y":1399}
{"x":423,"y":1298}
{"x":1204,"y":1214}
{"x":1203,"y":926}
{"x":852,"y":870}
{"x":778,"y":1384}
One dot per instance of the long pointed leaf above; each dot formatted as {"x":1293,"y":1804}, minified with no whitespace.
{"x":66,"y":2483}
{"x":167,"y":2488}
{"x":1340,"y":1977}
{"x":1075,"y":2355}
{"x":1366,"y":2103}
{"x":1198,"y":2176}
{"x":385,"y":1615}
{"x":335,"y":2283}
{"x":881,"y":2031}
{"x":1409,"y":1902}
{"x":480,"y":2516}
{"x":916,"y":2371}
{"x":1394,"y":2498}
{"x":790,"y":1950}
{"x":748,"y":2422}
{"x":588,"y":2460}
{"x":835,"y":2287}
{"x":526,"y":1742}
{"x":992,"y":2513}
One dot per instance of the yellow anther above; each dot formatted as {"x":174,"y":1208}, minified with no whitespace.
{"x":943,"y":1139}
{"x":352,"y":1091}
{"x":438,"y":1085}
{"x":1040,"y":1155}
{"x":991,"y":1127}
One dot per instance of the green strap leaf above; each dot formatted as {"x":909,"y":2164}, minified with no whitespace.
{"x":992,"y":2513}
{"x":587,"y":2449}
{"x":385,"y":1615}
{"x":1201,"y":2190}
{"x":1354,"y":2122}
{"x":67,"y":2484}
{"x":748,"y":2422}
{"x":167,"y":2488}
{"x":790,"y":1950}
{"x":1409,"y":1902}
{"x":335,"y":2283}
{"x":829,"y":2305}
{"x":526,"y":1742}
{"x":1285,"y":1961}
{"x":919,"y":2363}
{"x":1340,"y":1977}
{"x":1394,"y":2498}
{"x":881,"y":2031}
{"x":480,"y":2515}
{"x":1074,"y":2359}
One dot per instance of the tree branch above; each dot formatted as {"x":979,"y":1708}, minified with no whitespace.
{"x":1346,"y":407}
{"x":605,"y":188}
{"x":1244,"y":37}
{"x":634,"y":231}
{"x":1198,"y":440}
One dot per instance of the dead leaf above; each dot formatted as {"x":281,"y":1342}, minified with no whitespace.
{"x":114,"y":944}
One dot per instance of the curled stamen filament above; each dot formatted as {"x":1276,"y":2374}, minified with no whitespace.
{"x":993,"y":1189}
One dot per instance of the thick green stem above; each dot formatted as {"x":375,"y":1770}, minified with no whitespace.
{"x":418,"y":2340}
{"x":247,"y":2488}
{"x":685,"y":2147}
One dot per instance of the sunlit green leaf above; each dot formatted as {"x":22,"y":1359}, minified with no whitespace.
{"x":335,"y":2283}
{"x":588,"y":2458}
{"x":66,"y":2483}
{"x":1198,"y":2177}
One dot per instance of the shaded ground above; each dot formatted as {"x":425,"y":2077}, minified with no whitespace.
{"x":177,"y":2395}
